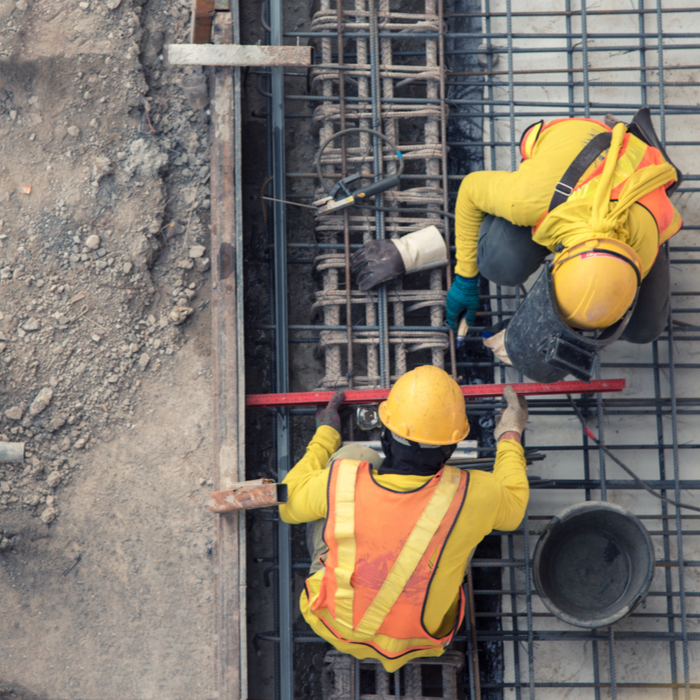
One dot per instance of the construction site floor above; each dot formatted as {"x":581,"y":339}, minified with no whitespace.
{"x":107,"y":555}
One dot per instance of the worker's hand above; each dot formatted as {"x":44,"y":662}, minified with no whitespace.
{"x":463,"y":296}
{"x":380,"y":261}
{"x":376,"y":262}
{"x":329,"y":415}
{"x":514,"y":418}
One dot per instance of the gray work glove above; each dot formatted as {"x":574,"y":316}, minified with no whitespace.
{"x":376,"y":262}
{"x":329,"y":415}
{"x":379,"y":261}
{"x":514,"y":417}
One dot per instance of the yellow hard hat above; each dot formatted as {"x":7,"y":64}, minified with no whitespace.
{"x":596,"y":282}
{"x":426,"y":405}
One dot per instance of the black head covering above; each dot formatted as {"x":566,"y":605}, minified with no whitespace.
{"x":412,"y":458}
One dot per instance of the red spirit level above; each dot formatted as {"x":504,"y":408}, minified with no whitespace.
{"x":370,"y":396}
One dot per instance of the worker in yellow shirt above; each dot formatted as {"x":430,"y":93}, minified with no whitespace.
{"x":391,"y":538}
{"x":596,"y":195}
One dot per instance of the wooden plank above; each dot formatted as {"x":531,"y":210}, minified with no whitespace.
{"x":227,"y":365}
{"x":238,"y":55}
{"x":203,"y":12}
{"x":248,"y":496}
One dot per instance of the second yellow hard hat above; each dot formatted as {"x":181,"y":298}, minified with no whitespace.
{"x":595,"y":282}
{"x":426,"y":405}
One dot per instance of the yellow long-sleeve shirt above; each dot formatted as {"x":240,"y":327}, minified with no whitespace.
{"x":495,"y":501}
{"x":523,"y":197}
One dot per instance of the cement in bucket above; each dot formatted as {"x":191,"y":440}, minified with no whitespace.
{"x":593,"y":564}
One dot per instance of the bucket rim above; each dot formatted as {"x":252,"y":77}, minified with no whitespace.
{"x":567,"y":514}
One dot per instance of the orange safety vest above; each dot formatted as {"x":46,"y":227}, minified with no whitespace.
{"x":634,"y":155}
{"x":383,"y":549}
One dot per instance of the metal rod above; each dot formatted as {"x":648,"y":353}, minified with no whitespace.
{"x":476,"y":681}
{"x":445,"y":181}
{"x":346,"y":214}
{"x":382,"y":311}
{"x":570,"y":69}
{"x":284,"y":570}
{"x":573,"y":13}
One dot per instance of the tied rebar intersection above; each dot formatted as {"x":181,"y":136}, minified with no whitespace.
{"x":373,"y":85}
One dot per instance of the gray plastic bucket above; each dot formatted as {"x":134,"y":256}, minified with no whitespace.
{"x":593,"y":564}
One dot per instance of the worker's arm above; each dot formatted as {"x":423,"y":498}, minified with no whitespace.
{"x":510,"y":467}
{"x":307,"y":481}
{"x":481,"y":193}
{"x":522,"y":197}
{"x":511,"y":473}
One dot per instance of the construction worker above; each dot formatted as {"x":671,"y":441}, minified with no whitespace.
{"x":391,"y":538}
{"x":597,"y":196}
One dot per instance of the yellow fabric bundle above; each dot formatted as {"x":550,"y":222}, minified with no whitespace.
{"x":580,"y":219}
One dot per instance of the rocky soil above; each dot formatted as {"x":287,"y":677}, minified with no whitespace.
{"x":104,"y":203}
{"x":106,"y":573}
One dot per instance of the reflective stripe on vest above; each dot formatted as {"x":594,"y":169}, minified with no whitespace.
{"x":365,"y":577}
{"x":344,"y":532}
{"x":634,"y":155}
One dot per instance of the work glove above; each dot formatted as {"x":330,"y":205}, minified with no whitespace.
{"x":379,"y":261}
{"x":497,"y":345}
{"x":514,"y":417}
{"x":329,"y":415}
{"x":462,"y":297}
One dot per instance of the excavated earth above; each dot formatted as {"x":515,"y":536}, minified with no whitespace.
{"x":105,"y":548}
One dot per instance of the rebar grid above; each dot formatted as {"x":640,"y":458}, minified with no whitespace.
{"x":373,"y":78}
{"x":342,"y":681}
{"x":651,"y":649}
{"x":570,"y":61}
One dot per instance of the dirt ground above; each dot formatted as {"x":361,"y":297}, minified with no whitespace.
{"x":106,"y":574}
{"x":105,"y":548}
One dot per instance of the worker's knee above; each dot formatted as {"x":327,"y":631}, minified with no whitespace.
{"x":651,"y":312}
{"x":507,"y":273}
{"x":641,"y":336}
{"x":645,"y":328}
{"x":506,"y":253}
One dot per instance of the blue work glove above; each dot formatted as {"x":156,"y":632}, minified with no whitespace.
{"x":463,"y":296}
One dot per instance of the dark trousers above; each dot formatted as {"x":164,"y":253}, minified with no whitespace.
{"x":507,"y":255}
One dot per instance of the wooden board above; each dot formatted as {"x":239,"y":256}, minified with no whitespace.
{"x":238,"y":55}
{"x":202,"y":17}
{"x":228,"y":366}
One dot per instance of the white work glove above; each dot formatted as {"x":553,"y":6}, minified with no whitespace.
{"x":497,"y":345}
{"x":514,"y":417}
{"x":379,"y":261}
